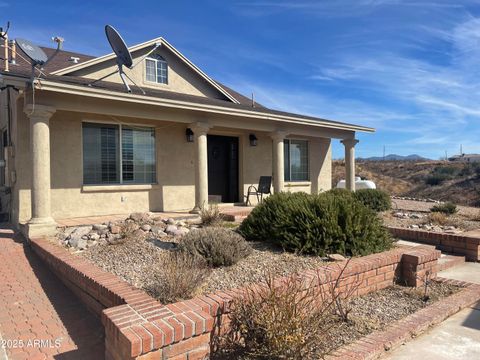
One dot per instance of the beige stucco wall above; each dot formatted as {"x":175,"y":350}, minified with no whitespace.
{"x":181,"y":78}
{"x":174,"y":191}
{"x":320,"y":166}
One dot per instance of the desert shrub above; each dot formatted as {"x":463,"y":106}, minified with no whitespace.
{"x":438,"y":218}
{"x":327,"y":223}
{"x":447,"y":208}
{"x":177,"y":277}
{"x":210,"y":215}
{"x":127,"y":229}
{"x":446,"y":170}
{"x":216,"y":246}
{"x":436,"y":179}
{"x":375,"y":199}
{"x":286,"y":321}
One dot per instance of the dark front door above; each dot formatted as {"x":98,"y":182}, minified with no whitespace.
{"x":223,"y":167}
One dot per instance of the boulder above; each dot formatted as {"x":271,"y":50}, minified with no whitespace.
{"x":170,"y":221}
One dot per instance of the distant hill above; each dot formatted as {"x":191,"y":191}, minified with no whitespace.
{"x":395,"y":157}
{"x":461,"y":184}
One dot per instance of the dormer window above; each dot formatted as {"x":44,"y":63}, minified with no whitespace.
{"x":156,"y":69}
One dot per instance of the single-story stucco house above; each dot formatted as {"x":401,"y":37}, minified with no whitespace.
{"x":77,"y":149}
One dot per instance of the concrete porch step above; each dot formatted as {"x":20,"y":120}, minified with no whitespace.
{"x":235,"y":213}
{"x":447,"y":261}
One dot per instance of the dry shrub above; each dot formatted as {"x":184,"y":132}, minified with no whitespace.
{"x":438,"y":218}
{"x":177,"y":277}
{"x":286,"y":321}
{"x":289,"y":318}
{"x":216,"y":246}
{"x":210,"y":215}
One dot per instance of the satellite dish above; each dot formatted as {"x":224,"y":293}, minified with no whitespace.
{"x":33,"y":52}
{"x":118,"y":46}
{"x":124,"y":58}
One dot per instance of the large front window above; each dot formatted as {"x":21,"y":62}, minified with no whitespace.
{"x":296,"y":160}
{"x":118,"y":154}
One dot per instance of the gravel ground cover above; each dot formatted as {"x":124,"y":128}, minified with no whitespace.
{"x":377,"y":310}
{"x":466,"y":219}
{"x":134,"y":259}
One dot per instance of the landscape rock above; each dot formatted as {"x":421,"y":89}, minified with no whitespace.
{"x":100,"y":227}
{"x":336,"y":257}
{"x":180,"y":232}
{"x":115,"y":229}
{"x":170,"y":230}
{"x":140,"y":217}
{"x":170,"y":221}
{"x":94,"y":236}
{"x":146,"y":227}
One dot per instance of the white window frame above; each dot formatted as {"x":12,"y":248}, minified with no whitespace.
{"x":290,"y":162}
{"x":156,"y":59}
{"x":120,"y":165}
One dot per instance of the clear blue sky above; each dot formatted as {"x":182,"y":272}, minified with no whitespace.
{"x":411,"y":69}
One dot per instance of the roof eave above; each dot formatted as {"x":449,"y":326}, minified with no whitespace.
{"x":135,"y":98}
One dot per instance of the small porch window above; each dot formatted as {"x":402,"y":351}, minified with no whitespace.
{"x":117,"y":154}
{"x":156,"y":69}
{"x":296,"y":160}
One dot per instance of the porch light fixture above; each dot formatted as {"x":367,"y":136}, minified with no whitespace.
{"x":189,"y":135}
{"x":253,"y":140}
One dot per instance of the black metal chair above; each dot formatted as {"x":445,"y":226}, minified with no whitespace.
{"x":264,"y":185}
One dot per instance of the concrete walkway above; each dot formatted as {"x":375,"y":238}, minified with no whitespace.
{"x":40,"y":318}
{"x":458,"y":337}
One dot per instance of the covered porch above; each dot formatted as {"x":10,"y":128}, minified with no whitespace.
{"x":56,"y":115}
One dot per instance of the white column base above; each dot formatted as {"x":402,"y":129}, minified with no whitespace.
{"x":40,"y":227}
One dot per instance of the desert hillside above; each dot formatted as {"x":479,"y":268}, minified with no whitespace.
{"x":439,"y":180}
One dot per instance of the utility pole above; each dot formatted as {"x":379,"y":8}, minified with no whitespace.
{"x":383,"y":152}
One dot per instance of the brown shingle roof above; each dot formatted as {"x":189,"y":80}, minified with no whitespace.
{"x":61,"y":61}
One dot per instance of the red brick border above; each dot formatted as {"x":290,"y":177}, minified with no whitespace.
{"x":468,"y":246}
{"x":139,"y":327}
{"x":375,"y":345}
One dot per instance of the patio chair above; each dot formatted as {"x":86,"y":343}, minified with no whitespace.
{"x":264,"y":185}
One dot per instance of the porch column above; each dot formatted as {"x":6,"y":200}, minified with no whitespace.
{"x":41,"y":222}
{"x":201,"y":165}
{"x":350,"y":163}
{"x":278,"y":160}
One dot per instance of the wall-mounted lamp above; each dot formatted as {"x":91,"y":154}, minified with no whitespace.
{"x":253,"y":140}
{"x":189,"y":135}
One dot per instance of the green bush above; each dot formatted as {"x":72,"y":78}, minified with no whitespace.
{"x":445,"y":208}
{"x":436,"y":179}
{"x":377,"y":200}
{"x":217,"y":246}
{"x":446,"y":170}
{"x":327,"y":223}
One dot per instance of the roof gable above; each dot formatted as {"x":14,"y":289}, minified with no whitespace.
{"x":192,"y":79}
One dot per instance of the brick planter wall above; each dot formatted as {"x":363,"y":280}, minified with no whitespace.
{"x":467,"y":246}
{"x":139,"y":327}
